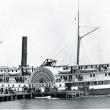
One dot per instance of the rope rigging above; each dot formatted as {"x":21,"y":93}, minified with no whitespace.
{"x":69,"y":54}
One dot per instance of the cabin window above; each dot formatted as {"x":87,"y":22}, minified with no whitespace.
{"x":93,"y":75}
{"x":12,"y":70}
{"x":80,"y":83}
{"x":95,"y":82}
{"x":59,"y":85}
{"x":65,"y":78}
{"x":63,"y":68}
{"x":16,"y":70}
{"x":56,"y":80}
{"x":77,"y":84}
{"x":90,"y":75}
{"x":8,"y":70}
{"x":1,"y":70}
{"x":92,"y":83}
{"x":66,"y":67}
{"x":76,"y":76}
{"x":70,"y":77}
{"x":109,"y":74}
{"x":108,"y":82}
{"x":105,"y":74}
{"x":100,"y":82}
{"x":73,"y":84}
{"x":88,"y":83}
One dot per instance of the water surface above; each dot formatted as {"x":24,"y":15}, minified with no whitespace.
{"x":100,"y":102}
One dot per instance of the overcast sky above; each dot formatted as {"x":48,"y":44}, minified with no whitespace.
{"x":51,"y":27}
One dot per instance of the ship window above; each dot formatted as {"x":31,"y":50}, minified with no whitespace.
{"x":100,"y":82}
{"x":76,"y":76}
{"x":95,"y":83}
{"x":66,"y":67}
{"x":70,"y":77}
{"x":12,"y":70}
{"x":56,"y":80}
{"x":1,"y":70}
{"x":93,"y":75}
{"x":92,"y":83}
{"x":109,"y":74}
{"x":16,"y":70}
{"x":107,"y":65}
{"x":88,"y":83}
{"x":105,"y":74}
{"x":63,"y":68}
{"x":90,"y":75}
{"x":60,"y":85}
{"x":73,"y":84}
{"x":77,"y":84}
{"x":80,"y":83}
{"x":8,"y":70}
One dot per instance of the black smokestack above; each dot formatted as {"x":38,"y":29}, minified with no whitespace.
{"x":24,"y":51}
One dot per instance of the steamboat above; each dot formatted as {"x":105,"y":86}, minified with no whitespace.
{"x":61,"y":81}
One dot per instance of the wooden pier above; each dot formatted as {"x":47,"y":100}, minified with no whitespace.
{"x":60,"y":94}
{"x":30,"y":95}
{"x":9,"y":97}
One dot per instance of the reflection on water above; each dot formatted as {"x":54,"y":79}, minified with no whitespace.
{"x":77,"y":103}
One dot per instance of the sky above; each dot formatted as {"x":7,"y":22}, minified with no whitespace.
{"x":51,"y":28}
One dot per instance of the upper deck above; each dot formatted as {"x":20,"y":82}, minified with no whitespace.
{"x":83,"y":69}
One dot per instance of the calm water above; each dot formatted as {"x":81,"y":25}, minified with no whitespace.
{"x":85,"y":102}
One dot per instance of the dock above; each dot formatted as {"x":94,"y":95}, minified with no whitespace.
{"x":9,"y":97}
{"x":32,"y":95}
{"x":60,"y":94}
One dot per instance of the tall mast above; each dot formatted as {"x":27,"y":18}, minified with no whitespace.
{"x":78,"y":38}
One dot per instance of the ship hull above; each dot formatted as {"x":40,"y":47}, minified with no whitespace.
{"x":101,"y":91}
